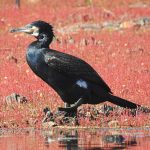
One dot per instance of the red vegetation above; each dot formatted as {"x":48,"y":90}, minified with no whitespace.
{"x":120,"y":57}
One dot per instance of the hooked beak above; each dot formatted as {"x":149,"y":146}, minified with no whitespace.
{"x":27,"y":29}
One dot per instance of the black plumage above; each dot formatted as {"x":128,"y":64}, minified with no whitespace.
{"x":73,"y":79}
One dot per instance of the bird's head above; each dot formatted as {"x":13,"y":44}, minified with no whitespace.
{"x":38,"y":29}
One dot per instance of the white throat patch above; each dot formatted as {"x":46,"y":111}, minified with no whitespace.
{"x":35,"y":33}
{"x":81,"y":83}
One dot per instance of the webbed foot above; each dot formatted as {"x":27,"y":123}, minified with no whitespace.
{"x":67,"y":109}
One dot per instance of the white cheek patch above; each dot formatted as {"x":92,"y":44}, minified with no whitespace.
{"x":81,"y":83}
{"x":35,"y":33}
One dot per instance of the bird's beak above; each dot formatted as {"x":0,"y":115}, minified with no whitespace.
{"x":27,"y":29}
{"x":22,"y":29}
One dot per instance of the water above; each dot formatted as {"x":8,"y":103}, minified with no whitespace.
{"x":73,"y":139}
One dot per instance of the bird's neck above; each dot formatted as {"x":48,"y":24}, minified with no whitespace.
{"x":43,"y":41}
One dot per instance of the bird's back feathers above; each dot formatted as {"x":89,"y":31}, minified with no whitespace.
{"x":74,"y":67}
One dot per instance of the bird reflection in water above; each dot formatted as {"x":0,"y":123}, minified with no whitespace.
{"x":88,"y":140}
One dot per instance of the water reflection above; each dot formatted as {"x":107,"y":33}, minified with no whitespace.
{"x":69,"y":140}
{"x":120,"y":140}
{"x":94,"y":139}
{"x":81,"y":139}
{"x":117,"y":139}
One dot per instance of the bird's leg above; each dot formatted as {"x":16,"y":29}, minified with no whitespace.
{"x":66,"y":105}
{"x":73,"y":107}
{"x":78,"y":103}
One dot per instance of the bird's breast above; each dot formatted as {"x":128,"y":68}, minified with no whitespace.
{"x":34,"y":59}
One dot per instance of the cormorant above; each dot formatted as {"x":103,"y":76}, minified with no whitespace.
{"x":72,"y":78}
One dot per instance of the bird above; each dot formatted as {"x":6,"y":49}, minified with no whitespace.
{"x":73,"y":79}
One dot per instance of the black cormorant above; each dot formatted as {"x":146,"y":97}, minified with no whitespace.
{"x":72,"y":78}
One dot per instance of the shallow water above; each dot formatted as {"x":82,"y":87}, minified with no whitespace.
{"x":73,"y":139}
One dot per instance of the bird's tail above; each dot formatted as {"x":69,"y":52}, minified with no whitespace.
{"x":122,"y":102}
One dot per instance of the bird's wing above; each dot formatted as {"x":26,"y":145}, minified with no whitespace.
{"x":74,"y":67}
